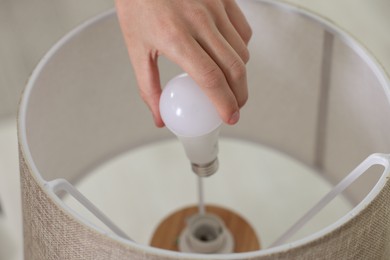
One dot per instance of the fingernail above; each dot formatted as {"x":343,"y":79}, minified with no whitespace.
{"x":158,"y":122}
{"x":235,"y":117}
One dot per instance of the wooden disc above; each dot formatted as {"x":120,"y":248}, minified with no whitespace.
{"x":167,"y":233}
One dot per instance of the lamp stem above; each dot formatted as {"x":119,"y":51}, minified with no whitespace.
{"x":201,"y":196}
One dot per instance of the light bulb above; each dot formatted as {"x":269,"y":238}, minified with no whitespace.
{"x":191,"y":116}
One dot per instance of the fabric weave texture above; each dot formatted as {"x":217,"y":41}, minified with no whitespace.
{"x":51,"y":233}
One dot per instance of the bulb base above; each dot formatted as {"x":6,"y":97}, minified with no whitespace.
{"x":205,"y":170}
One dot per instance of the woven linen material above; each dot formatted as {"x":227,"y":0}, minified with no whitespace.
{"x":51,"y":233}
{"x":365,"y":237}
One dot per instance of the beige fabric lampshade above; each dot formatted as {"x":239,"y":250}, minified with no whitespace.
{"x":315,"y":94}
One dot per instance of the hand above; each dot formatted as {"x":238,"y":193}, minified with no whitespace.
{"x":206,"y":38}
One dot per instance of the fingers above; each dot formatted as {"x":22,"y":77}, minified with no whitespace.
{"x":193,"y":59}
{"x":228,"y":60}
{"x":207,"y":39}
{"x":238,"y":20}
{"x":147,"y":74}
{"x":234,"y":39}
{"x":216,"y":60}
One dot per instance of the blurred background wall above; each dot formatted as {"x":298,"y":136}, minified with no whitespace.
{"x":29,"y":27}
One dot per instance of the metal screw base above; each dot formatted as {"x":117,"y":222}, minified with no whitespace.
{"x":205,"y":170}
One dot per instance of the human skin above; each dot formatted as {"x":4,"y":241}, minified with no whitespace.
{"x":207,"y":38}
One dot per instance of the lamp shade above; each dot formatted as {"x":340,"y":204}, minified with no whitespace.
{"x":316,"y":97}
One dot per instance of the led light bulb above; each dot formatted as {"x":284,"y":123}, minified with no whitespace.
{"x":191,"y":116}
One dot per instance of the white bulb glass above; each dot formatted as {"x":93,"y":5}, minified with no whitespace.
{"x":191,"y":116}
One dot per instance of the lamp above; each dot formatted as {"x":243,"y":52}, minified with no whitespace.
{"x":318,"y":102}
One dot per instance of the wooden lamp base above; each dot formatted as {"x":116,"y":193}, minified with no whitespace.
{"x":167,"y":233}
